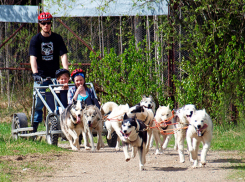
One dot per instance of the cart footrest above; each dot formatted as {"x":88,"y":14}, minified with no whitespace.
{"x":22,"y":129}
{"x":32,"y":134}
{"x":56,"y":132}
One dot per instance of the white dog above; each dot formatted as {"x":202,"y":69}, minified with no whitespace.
{"x":163,"y":121}
{"x":200,"y":130}
{"x":114,"y":122}
{"x":182,"y":119}
{"x":72,"y":125}
{"x":145,"y":112}
{"x":92,"y":119}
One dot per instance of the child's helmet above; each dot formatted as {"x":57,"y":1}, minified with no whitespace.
{"x":76,"y":72}
{"x":60,"y":72}
{"x":44,"y":16}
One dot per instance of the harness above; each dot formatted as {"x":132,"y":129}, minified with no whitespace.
{"x":146,"y":117}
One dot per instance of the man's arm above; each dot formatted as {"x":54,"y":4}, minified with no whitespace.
{"x":33,"y":61}
{"x":64,"y":60}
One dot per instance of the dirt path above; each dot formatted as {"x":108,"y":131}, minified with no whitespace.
{"x":109,"y":165}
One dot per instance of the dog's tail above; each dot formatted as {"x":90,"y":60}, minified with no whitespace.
{"x":108,"y":107}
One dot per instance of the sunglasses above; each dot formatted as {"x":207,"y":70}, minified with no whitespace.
{"x":44,"y":23}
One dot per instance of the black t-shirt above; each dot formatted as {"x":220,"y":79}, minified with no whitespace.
{"x":47,"y":50}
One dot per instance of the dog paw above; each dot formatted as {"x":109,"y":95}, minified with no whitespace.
{"x":194,"y":167}
{"x":203,"y":164}
{"x":117,"y":149}
{"x":87,"y":148}
{"x":182,"y":161}
{"x":158,"y":152}
{"x":74,"y":149}
{"x":132,"y":156}
{"x":142,"y":168}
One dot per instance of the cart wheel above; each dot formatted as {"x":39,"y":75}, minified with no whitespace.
{"x":19,"y":121}
{"x":52,"y":125}
{"x":113,"y":141}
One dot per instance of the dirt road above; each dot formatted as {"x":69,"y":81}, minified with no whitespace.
{"x":108,"y":165}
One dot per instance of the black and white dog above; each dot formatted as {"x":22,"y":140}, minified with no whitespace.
{"x":134,"y":134}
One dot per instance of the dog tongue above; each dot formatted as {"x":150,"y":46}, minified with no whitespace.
{"x":189,"y":119}
{"x":78,"y":119}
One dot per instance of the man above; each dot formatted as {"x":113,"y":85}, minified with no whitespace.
{"x":45,"y":49}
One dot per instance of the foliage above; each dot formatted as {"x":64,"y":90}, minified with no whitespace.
{"x":213,"y":72}
{"x":127,"y":77}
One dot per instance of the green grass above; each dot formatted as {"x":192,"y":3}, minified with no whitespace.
{"x":11,"y":149}
{"x":229,"y":139}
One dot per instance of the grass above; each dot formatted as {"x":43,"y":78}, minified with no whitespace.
{"x":12,"y":152}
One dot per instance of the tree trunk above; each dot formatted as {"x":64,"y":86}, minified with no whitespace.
{"x":7,"y":63}
{"x":99,"y":37}
{"x":137,"y":30}
{"x":102,"y":36}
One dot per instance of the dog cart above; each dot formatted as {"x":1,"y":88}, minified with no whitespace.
{"x":51,"y":100}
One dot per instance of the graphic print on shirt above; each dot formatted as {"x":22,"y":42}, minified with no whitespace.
{"x":47,"y":51}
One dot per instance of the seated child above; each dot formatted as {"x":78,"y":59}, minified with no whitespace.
{"x":62,"y":76}
{"x":80,"y":91}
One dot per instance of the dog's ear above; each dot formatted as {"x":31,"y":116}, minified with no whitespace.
{"x":125,"y":116}
{"x":150,"y":96}
{"x":74,"y":102}
{"x":143,"y":97}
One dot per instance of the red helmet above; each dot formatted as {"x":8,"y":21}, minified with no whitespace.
{"x":44,"y":16}
{"x":76,"y":72}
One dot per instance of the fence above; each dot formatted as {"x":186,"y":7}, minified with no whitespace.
{"x":100,"y":34}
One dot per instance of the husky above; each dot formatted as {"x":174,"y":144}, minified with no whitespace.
{"x":163,"y":121}
{"x":145,"y":112}
{"x":134,"y":134}
{"x":182,"y":119}
{"x":108,"y":107}
{"x":114,"y":122}
{"x":92,"y":119}
{"x":199,"y":130}
{"x":72,"y":125}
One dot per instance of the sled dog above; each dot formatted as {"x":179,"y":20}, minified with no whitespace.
{"x":92,"y":119}
{"x":182,"y":118}
{"x":163,"y":121}
{"x":134,"y":135}
{"x":72,"y":125}
{"x":199,"y":130}
{"x":145,"y":112}
{"x":114,"y":122}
